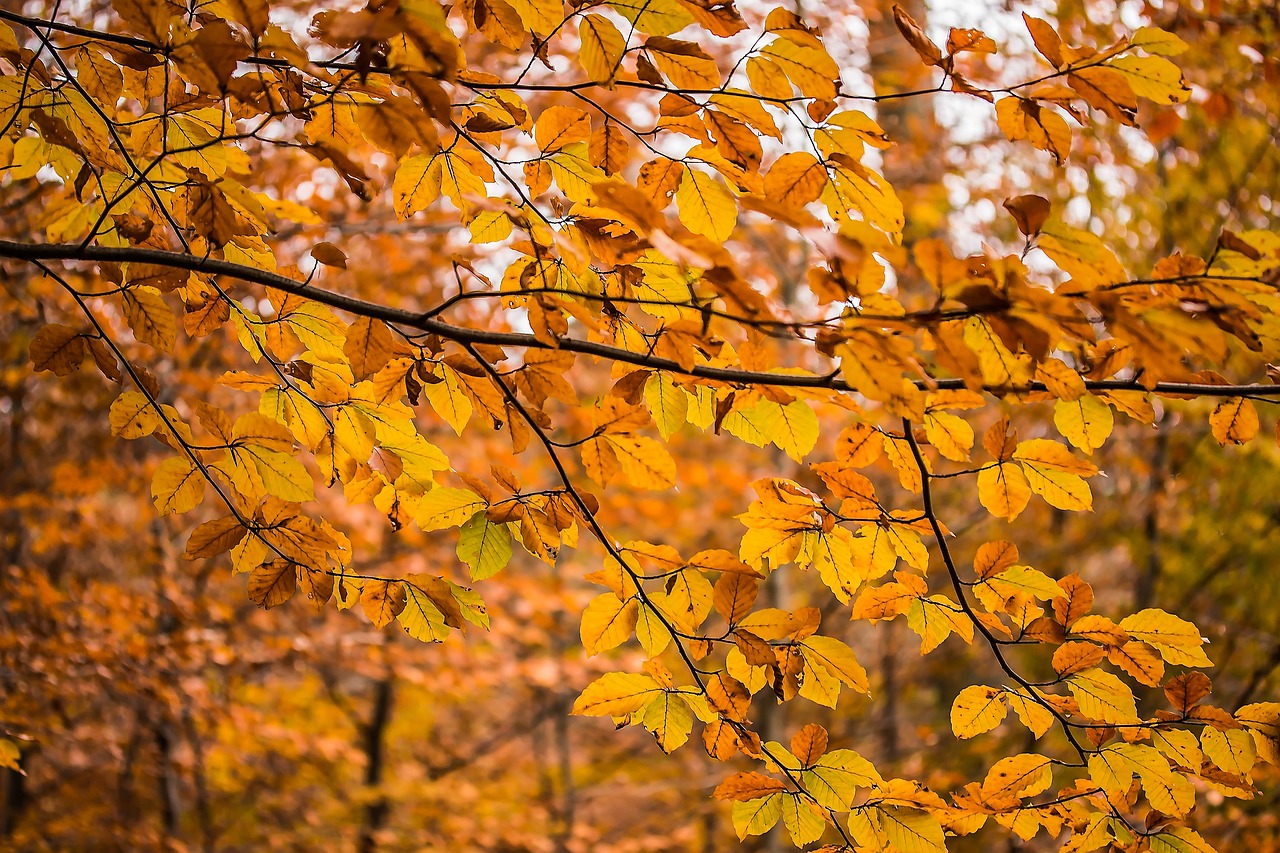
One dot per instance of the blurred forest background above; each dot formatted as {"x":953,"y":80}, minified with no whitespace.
{"x":160,"y":709}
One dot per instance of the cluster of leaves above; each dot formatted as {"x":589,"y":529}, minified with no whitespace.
{"x":606,"y":304}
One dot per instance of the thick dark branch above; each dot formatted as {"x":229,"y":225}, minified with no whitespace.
{"x":424,"y":322}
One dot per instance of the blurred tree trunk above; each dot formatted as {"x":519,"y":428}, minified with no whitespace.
{"x":375,"y":813}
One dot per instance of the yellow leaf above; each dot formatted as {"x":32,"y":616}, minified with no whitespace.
{"x":1113,"y":767}
{"x":1052,"y":456}
{"x":655,"y":17}
{"x":416,"y":185}
{"x":934,"y":619}
{"x":834,"y":780}
{"x":150,"y":318}
{"x":1177,"y":640}
{"x":1081,"y":255}
{"x":1157,"y":41}
{"x":853,"y":189}
{"x":559,"y":127}
{"x":574,"y":174}
{"x":796,"y":431}
{"x":540,"y":16}
{"x":484,"y":546}
{"x":447,"y":507}
{"x":602,"y":47}
{"x":1063,"y":491}
{"x":767,"y":78}
{"x":448,"y":398}
{"x":616,"y":694}
{"x":684,"y":63}
{"x":1178,"y":745}
{"x":645,"y":463}
{"x":904,"y":462}
{"x":1179,"y":839}
{"x":281,"y":474}
{"x":912,"y":831}
{"x":178,"y":485}
{"x":976,"y":710}
{"x":420,"y":617}
{"x":296,"y":411}
{"x":1234,"y":421}
{"x":951,"y":434}
{"x":1027,"y":581}
{"x":133,"y":416}
{"x":807,"y":63}
{"x":999,"y":366}
{"x":803,"y":823}
{"x":837,"y":659}
{"x":706,"y":207}
{"x":754,"y":424}
{"x":607,"y":622}
{"x":668,"y":403}
{"x":463,"y":175}
{"x":908,"y":545}
{"x":1153,"y":77}
{"x":1103,"y":697}
{"x":353,"y":433}
{"x":795,"y":179}
{"x":316,"y":326}
{"x":1035,"y":716}
{"x":490,"y":226}
{"x":757,"y":816}
{"x":669,"y":718}
{"x":1061,"y":381}
{"x":652,"y":634}
{"x":1085,"y":422}
{"x":1022,"y":775}
{"x":1019,"y":118}
{"x":1233,"y":751}
{"x":1003,"y":490}
{"x":1262,"y":719}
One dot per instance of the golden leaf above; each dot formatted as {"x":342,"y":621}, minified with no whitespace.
{"x":150,"y":318}
{"x":602,"y":47}
{"x":1234,"y":421}
{"x":272,"y":584}
{"x":977,"y":709}
{"x":607,"y":622}
{"x":1086,"y":422}
{"x":1103,"y":697}
{"x":615,"y":694}
{"x":1003,"y":489}
{"x":382,"y":601}
{"x":706,"y":207}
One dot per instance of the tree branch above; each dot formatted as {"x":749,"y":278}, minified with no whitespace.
{"x":463,"y":335}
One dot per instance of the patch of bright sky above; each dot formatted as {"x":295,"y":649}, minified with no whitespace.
{"x":989,"y":163}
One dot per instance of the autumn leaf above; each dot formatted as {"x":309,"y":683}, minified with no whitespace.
{"x":706,"y":206}
{"x":1234,"y":421}
{"x":977,"y":710}
{"x":615,"y":694}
